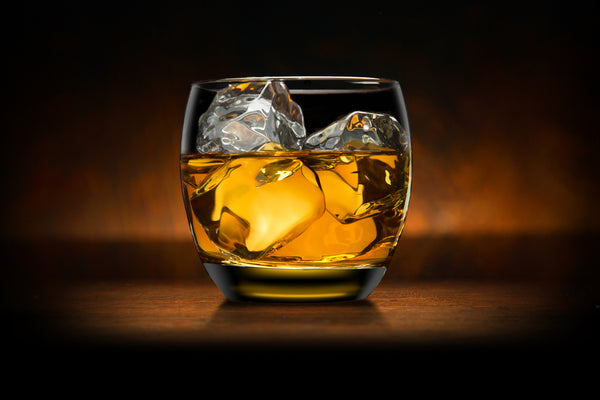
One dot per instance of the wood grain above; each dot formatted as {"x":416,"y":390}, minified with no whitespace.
{"x":448,"y":295}
{"x":396,"y":314}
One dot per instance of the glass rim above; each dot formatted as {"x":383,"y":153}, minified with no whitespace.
{"x":344,"y":83}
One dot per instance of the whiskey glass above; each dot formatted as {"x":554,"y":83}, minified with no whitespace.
{"x":296,"y":188}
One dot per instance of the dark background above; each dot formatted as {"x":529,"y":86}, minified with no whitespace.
{"x":502,"y":101}
{"x":501,"y":98}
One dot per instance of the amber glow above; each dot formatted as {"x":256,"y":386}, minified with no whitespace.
{"x":304,"y":207}
{"x":502,"y":105}
{"x":109,"y":173}
{"x":490,"y":176}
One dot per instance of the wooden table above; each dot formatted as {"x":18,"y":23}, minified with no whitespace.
{"x":119,"y":298}
{"x":397,"y":314}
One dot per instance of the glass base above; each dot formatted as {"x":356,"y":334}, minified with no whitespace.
{"x":287,"y":284}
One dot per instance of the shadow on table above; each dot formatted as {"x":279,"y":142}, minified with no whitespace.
{"x":275,"y":316}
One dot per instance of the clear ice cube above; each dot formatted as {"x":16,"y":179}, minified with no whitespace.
{"x":360,"y":130}
{"x":251,"y":116}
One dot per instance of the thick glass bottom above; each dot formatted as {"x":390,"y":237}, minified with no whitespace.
{"x":293,"y":284}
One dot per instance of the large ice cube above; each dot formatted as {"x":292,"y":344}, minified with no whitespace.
{"x":254,"y":205}
{"x":360,"y":130}
{"x":251,"y":116}
{"x":359,"y":186}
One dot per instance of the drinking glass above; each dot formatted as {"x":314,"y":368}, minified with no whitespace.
{"x":296,"y":188}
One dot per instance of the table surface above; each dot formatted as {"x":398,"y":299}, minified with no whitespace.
{"x":396,"y":313}
{"x":426,"y":314}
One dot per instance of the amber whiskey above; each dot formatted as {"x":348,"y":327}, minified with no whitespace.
{"x":260,"y":219}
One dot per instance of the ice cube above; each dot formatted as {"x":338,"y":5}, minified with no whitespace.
{"x":360,"y":130}
{"x":359,"y":186}
{"x":251,"y":116}
{"x":341,"y":188}
{"x":258,"y":205}
{"x":327,"y":239}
